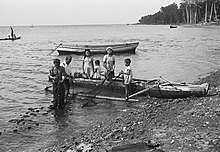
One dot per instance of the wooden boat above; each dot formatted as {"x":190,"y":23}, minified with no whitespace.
{"x":178,"y":90}
{"x":153,"y":88}
{"x":95,"y":87}
{"x":172,"y":26}
{"x":17,"y":38}
{"x":115,"y":85}
{"x":97,"y":49}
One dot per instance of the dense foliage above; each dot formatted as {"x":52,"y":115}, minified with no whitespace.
{"x":188,"y":12}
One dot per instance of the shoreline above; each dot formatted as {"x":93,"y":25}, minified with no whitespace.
{"x":189,"y":124}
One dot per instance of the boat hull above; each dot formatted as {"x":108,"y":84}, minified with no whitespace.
{"x":173,"y":26}
{"x":12,"y":39}
{"x":115,"y":85}
{"x":178,"y":91}
{"x":97,"y":49}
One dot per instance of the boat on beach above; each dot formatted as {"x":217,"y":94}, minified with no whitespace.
{"x":178,"y":90}
{"x":97,"y":49}
{"x":12,"y":39}
{"x":153,"y":88}
{"x":142,"y":88}
{"x":115,"y":85}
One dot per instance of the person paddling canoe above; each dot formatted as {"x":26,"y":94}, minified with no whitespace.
{"x":12,"y":33}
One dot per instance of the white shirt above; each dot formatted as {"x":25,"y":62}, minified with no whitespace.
{"x":128,"y":78}
{"x":110,"y":60}
{"x":97,"y":70}
{"x":87,"y":62}
{"x":67,"y":67}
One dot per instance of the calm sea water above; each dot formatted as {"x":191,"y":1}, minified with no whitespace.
{"x":181,"y":54}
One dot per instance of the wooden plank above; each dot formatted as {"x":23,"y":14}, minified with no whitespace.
{"x":105,"y":97}
{"x":140,"y":92}
{"x":144,"y":80}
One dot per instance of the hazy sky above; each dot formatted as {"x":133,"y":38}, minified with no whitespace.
{"x":74,"y":12}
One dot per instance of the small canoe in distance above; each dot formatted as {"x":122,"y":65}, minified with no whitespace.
{"x":169,"y":90}
{"x":12,"y":39}
{"x":172,"y":26}
{"x":97,"y":49}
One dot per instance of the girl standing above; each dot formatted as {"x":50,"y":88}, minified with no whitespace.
{"x":109,"y":63}
{"x":87,"y":66}
{"x":97,"y":70}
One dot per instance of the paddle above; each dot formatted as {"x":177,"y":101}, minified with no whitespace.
{"x":109,"y":83}
{"x":166,"y":80}
{"x":99,"y":84}
{"x":144,"y":90}
{"x":93,"y":96}
{"x":54,"y":49}
{"x":172,"y":83}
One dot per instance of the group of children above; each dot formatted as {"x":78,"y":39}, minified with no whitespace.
{"x":61,"y":74}
{"x":92,"y":71}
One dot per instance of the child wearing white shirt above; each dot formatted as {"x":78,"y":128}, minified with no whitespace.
{"x":127,"y":75}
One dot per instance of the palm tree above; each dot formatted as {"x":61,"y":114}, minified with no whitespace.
{"x":186,"y":2}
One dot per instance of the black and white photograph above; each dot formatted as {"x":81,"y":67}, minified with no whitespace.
{"x":110,"y":76}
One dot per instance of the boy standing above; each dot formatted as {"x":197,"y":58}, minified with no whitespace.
{"x":127,"y":75}
{"x":67,"y":82}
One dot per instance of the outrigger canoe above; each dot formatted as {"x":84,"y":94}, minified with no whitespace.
{"x":115,"y":85}
{"x":17,"y":38}
{"x":97,"y":49}
{"x":153,"y":88}
{"x":95,"y":87}
{"x":178,"y":90}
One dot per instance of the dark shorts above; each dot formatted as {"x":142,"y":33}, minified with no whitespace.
{"x":66,"y":83}
{"x":58,"y":94}
{"x":110,"y":75}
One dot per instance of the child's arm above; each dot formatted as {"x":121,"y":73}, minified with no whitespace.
{"x":113,"y":62}
{"x":104,"y":62}
{"x":83,"y":67}
{"x":127,"y":73}
{"x":92,"y":65}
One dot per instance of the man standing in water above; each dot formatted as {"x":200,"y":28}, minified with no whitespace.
{"x":56,"y":75}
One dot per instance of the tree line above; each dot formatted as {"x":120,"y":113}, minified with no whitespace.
{"x":188,"y":12}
